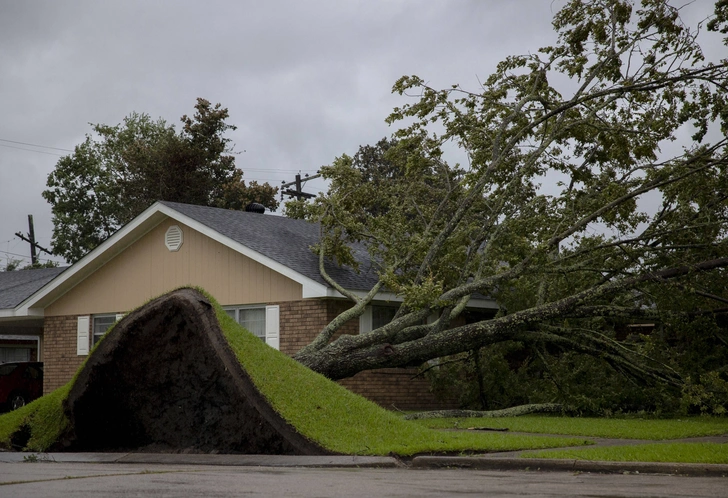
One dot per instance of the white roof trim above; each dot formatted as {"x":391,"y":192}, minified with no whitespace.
{"x":479,"y":303}
{"x":125,"y":236}
{"x":16,"y":337}
{"x":106,"y":248}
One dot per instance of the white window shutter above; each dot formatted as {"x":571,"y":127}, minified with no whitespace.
{"x":272,"y":326}
{"x":82,"y":335}
{"x":119,"y":316}
{"x":365,"y":321}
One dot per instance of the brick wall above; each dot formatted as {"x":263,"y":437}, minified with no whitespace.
{"x":300,"y":322}
{"x":60,"y":361}
{"x":392,"y":388}
{"x":397,"y":389}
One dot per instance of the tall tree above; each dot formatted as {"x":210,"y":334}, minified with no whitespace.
{"x":113,"y":176}
{"x":573,"y":208}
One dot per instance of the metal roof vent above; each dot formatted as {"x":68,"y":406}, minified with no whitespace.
{"x":173,"y":238}
{"x":254,"y":207}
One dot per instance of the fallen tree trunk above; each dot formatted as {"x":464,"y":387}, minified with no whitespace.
{"x":513,"y":411}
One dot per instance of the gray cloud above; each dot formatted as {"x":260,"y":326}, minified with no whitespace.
{"x":304,"y":81}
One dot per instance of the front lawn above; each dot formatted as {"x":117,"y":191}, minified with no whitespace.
{"x":653,"y":452}
{"x":619,"y":428}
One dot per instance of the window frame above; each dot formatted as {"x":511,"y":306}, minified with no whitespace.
{"x":95,"y":337}
{"x":271,"y":324}
{"x":366,"y":319}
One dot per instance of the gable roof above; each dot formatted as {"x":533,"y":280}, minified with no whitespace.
{"x":284,"y":240}
{"x":282,"y":244}
{"x":17,"y":286}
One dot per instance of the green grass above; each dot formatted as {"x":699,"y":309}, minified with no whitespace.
{"x":344,"y":422}
{"x":653,"y":452}
{"x":622,"y":428}
{"x":43,"y":417}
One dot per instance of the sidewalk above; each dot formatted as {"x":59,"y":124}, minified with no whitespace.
{"x":511,"y":460}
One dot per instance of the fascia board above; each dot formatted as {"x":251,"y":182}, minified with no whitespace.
{"x":476,"y":303}
{"x":131,"y":232}
{"x":9,"y":315}
{"x":107,"y":250}
{"x":16,"y":337}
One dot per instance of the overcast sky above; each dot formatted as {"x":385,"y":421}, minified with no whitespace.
{"x":304,"y":81}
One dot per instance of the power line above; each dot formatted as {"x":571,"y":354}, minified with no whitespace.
{"x":7,"y":254}
{"x":34,"y":145}
{"x":31,"y":150}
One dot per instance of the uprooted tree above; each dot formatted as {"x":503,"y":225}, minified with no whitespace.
{"x":594,"y":187}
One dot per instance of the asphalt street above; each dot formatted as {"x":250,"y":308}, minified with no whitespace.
{"x":56,"y":479}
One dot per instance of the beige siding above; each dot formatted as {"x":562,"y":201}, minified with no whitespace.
{"x":147,"y":269}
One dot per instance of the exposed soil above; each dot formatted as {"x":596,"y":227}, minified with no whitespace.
{"x":165,"y":380}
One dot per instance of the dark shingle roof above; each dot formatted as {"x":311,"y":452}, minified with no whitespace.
{"x":284,"y":240}
{"x":17,"y":286}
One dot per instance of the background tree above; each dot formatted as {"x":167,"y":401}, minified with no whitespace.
{"x":112,"y":177}
{"x":574,"y":209}
{"x":12,"y":265}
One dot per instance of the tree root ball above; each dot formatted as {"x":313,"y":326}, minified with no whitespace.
{"x":165,"y":380}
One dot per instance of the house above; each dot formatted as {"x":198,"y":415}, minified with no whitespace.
{"x":259,"y":267}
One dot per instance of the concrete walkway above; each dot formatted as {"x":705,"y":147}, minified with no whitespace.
{"x":511,"y":460}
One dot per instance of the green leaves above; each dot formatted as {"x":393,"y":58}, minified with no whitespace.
{"x":121,"y":170}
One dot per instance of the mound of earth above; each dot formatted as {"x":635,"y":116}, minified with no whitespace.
{"x":179,"y":374}
{"x":165,"y":379}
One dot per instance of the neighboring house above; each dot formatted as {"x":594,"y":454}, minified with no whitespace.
{"x":259,"y":267}
{"x":21,"y":335}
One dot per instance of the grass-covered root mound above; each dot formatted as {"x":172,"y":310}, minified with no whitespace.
{"x":180,"y":374}
{"x":165,"y":379}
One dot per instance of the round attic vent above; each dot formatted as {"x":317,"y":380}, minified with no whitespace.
{"x":173,"y":238}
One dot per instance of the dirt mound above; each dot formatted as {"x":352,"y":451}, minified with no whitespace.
{"x":165,"y":379}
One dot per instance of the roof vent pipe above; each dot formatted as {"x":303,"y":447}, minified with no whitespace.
{"x":254,"y":207}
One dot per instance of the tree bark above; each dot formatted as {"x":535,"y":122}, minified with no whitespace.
{"x":513,"y":411}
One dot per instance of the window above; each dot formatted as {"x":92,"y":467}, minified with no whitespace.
{"x":382,"y":315}
{"x":14,"y":354}
{"x":261,"y":321}
{"x":101,"y":323}
{"x":90,"y":329}
{"x":375,"y":316}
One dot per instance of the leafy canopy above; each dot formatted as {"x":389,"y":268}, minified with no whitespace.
{"x":593,"y":187}
{"x":113,"y":176}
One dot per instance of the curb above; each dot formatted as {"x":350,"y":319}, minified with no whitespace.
{"x":543,"y":464}
{"x":332,"y":461}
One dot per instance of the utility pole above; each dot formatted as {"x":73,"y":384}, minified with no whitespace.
{"x":31,"y":239}
{"x":31,"y":235}
{"x":298,"y":182}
